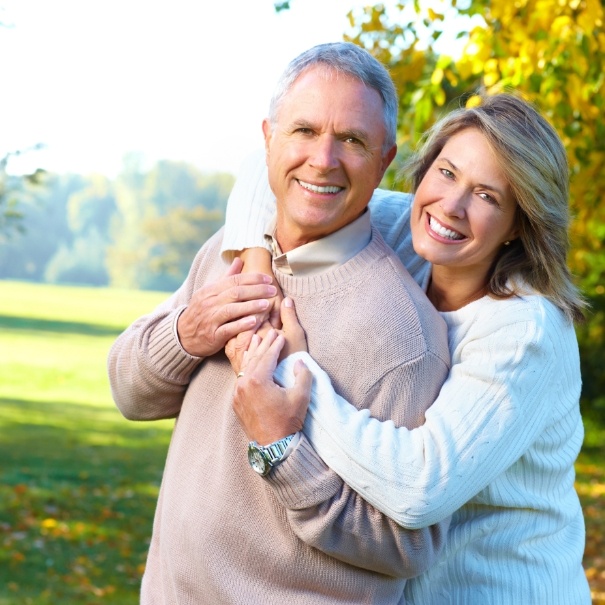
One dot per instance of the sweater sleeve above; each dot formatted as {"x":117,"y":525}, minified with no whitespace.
{"x":250,"y":207}
{"x":149,"y":371}
{"x":493,"y":405}
{"x":326,"y":513}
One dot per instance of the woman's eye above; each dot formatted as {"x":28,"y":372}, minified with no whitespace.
{"x":447,"y":173}
{"x":488,"y":198}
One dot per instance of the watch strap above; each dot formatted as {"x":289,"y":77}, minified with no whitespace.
{"x":275,"y":451}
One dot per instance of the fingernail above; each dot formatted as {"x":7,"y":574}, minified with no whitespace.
{"x":287,"y":302}
{"x":263,"y":304}
{"x":271,"y":291}
{"x":267,"y":279}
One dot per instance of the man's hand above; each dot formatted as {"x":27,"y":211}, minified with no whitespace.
{"x":268,"y":412}
{"x":219,"y":311}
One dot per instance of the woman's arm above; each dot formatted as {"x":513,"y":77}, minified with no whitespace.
{"x":251,"y":206}
{"x":494,"y":404}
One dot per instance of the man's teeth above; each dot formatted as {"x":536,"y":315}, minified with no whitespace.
{"x":442,"y":231}
{"x":318,"y":189}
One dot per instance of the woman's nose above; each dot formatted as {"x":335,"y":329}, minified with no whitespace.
{"x":454,"y":204}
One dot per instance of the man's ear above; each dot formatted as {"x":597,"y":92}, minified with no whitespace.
{"x":387,"y":158}
{"x":267,"y":134}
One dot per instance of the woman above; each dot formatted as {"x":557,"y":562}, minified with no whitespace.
{"x":498,"y":447}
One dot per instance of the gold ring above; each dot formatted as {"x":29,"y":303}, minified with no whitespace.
{"x":240,"y":374}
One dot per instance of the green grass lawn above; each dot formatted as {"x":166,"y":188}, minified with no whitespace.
{"x":78,"y":483}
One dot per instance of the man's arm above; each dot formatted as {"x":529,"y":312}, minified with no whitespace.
{"x":151,"y":362}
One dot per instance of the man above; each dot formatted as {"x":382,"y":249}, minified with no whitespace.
{"x":296,"y":533}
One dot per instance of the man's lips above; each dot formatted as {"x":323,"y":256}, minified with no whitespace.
{"x":319,"y":188}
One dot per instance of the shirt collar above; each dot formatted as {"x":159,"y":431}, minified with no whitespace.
{"x":322,"y":254}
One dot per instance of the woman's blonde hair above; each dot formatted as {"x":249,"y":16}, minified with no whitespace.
{"x":534,"y":161}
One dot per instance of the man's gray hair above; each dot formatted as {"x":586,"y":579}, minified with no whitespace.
{"x":350,"y":60}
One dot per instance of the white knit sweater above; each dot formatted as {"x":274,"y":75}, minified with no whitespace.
{"x":497,"y":449}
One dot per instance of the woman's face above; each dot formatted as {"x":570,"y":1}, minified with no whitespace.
{"x":463,"y":209}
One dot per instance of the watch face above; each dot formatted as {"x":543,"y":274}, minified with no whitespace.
{"x":258,"y":461}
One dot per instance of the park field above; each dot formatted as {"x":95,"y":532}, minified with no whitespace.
{"x":78,"y":483}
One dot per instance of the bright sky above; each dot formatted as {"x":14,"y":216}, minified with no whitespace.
{"x":178,"y":79}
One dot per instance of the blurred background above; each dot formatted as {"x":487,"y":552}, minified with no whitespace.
{"x":123,"y":124}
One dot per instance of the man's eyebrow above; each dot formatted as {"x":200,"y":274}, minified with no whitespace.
{"x":301,"y":124}
{"x":354,"y":133}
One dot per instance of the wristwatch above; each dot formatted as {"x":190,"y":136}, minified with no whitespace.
{"x":263,"y":458}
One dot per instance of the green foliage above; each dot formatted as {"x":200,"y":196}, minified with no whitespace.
{"x":550,"y":51}
{"x":163,"y":217}
{"x":12,"y":192}
{"x":140,"y":230}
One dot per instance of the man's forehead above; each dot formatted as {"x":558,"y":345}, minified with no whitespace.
{"x":346,"y":99}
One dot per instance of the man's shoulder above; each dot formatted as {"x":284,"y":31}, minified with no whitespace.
{"x":396,"y":308}
{"x":208,"y":261}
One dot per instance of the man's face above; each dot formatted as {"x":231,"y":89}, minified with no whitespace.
{"x":324,"y":155}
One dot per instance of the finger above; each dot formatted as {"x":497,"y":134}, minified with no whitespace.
{"x":221,"y":315}
{"x":266,"y":342}
{"x":303,"y":380}
{"x":288,"y":315}
{"x":252,"y":348}
{"x":275,"y":317}
{"x":231,"y":329}
{"x":267,"y":358}
{"x":244,"y":292}
{"x":237,"y":286}
{"x":258,"y":347}
{"x":236,"y":267}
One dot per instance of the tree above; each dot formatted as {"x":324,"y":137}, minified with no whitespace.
{"x":12,"y":191}
{"x":552,"y":52}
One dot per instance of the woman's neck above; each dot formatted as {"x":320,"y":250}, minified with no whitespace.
{"x":450,"y":291}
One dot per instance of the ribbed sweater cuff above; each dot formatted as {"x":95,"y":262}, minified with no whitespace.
{"x":166,"y":352}
{"x":302,"y":479}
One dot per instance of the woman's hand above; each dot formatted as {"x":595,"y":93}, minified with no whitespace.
{"x":266,"y":411}
{"x":256,"y":260}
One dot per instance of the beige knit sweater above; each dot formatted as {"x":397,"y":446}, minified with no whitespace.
{"x":224,"y":535}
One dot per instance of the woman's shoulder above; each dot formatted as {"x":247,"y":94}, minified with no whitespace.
{"x":526,"y":311}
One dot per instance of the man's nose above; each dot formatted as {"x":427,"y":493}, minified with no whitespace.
{"x":324,"y":154}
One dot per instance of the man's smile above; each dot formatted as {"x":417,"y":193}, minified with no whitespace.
{"x":319,"y":188}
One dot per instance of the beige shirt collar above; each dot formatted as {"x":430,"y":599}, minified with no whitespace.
{"x":325,"y":253}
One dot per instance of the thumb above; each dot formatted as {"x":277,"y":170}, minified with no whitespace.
{"x":288,"y":315}
{"x":236,"y":267}
{"x":303,"y":380}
